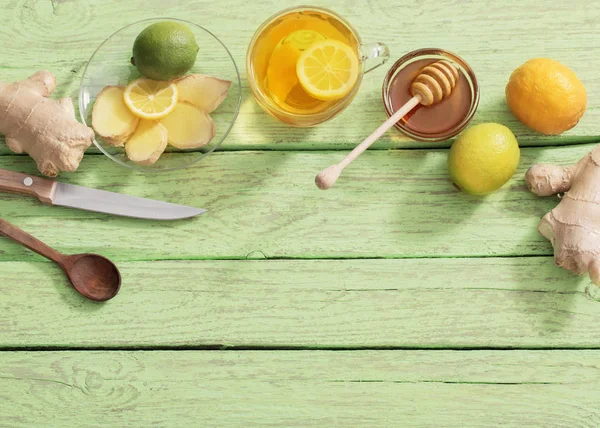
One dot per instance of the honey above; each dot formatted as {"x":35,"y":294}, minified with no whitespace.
{"x":443,"y":119}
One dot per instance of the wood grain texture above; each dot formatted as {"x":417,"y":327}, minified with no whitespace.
{"x":300,"y":389}
{"x":419,"y":303}
{"x":493,"y":37}
{"x":265,"y":204}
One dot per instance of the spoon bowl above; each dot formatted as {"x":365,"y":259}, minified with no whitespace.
{"x":94,"y":276}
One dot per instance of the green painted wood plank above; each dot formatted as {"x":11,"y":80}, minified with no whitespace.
{"x":265,"y":204}
{"x":493,"y":37}
{"x":300,"y":389}
{"x":417,"y":303}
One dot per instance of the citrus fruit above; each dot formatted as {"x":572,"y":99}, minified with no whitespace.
{"x":483,"y":158}
{"x":303,"y":39}
{"x":546,"y":96}
{"x":328,"y":70}
{"x":164,"y":50}
{"x":281,"y":74}
{"x":150,"y":99}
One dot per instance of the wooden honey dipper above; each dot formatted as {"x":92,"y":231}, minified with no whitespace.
{"x":434,"y":83}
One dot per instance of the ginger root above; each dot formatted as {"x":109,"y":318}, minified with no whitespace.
{"x":573,"y":226}
{"x":205,"y":92}
{"x":147,"y":143}
{"x":43,"y":128}
{"x":111,"y":118}
{"x":188,"y":127}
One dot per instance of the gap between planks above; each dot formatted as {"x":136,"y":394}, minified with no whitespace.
{"x":280,"y":348}
{"x":326,"y":147}
{"x":265,"y":258}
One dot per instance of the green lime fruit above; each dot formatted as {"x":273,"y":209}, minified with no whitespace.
{"x":483,"y":158}
{"x":164,"y":50}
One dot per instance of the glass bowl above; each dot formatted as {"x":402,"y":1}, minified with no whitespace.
{"x":110,"y":65}
{"x":434,"y":54}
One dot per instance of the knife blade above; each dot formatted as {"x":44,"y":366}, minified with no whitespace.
{"x":70,"y":195}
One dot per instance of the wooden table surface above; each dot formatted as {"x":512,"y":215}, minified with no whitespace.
{"x":390,"y":300}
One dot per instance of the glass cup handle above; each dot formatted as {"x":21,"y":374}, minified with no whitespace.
{"x":378,"y":52}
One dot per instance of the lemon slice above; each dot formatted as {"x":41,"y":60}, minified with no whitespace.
{"x":281,"y":74}
{"x":328,"y":70}
{"x":303,"y":39}
{"x":150,"y":99}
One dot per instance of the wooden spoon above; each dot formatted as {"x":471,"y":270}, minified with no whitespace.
{"x":93,"y":276}
{"x":434,"y":83}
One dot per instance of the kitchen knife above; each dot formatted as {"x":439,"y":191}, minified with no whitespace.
{"x":69,"y":195}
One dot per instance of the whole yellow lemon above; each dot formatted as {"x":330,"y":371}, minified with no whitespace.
{"x":546,"y":96}
{"x":483,"y":158}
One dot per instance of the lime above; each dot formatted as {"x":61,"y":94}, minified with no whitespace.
{"x":164,"y":50}
{"x":483,"y":158}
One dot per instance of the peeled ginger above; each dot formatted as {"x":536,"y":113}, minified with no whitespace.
{"x":147,"y":143}
{"x":111,"y":118}
{"x":188,"y":127}
{"x":205,"y":92}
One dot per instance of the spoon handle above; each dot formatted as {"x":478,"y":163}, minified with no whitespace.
{"x":25,"y":239}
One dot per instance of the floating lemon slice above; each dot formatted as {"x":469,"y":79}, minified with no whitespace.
{"x":328,"y":70}
{"x":281,"y":74}
{"x":150,"y":99}
{"x":303,"y":39}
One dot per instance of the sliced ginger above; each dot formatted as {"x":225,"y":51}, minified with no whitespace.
{"x":188,"y":126}
{"x":187,"y":102}
{"x":111,"y":118}
{"x":147,"y":143}
{"x":205,"y":92}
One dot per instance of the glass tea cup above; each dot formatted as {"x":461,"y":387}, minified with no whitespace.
{"x":273,"y":53}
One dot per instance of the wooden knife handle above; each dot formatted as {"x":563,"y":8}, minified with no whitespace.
{"x":15,"y":182}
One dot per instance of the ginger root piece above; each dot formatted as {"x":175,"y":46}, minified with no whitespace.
{"x":147,"y":143}
{"x":43,"y":128}
{"x":573,"y":226}
{"x":111,"y":118}
{"x":205,"y":92}
{"x":188,"y":127}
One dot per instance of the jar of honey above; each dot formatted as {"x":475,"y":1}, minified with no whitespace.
{"x":442,"y":120}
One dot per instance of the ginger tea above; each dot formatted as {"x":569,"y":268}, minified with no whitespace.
{"x":274,"y":54}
